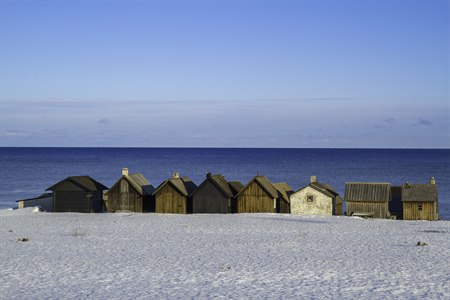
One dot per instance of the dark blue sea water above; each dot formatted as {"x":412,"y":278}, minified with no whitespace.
{"x":27,"y":172}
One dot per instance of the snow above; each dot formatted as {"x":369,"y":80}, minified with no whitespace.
{"x":141,"y":256}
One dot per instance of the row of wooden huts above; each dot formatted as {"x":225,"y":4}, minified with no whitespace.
{"x":133,"y":192}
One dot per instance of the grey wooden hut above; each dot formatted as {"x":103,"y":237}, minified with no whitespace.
{"x":78,"y":194}
{"x":420,"y":201}
{"x":132,"y":192}
{"x":215,"y":195}
{"x":173,"y":195}
{"x":44,"y":202}
{"x":368,"y":199}
{"x":261,"y":195}
{"x":316,"y":199}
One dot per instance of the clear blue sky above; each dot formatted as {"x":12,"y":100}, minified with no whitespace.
{"x":351,"y":73}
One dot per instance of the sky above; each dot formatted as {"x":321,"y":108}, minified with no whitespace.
{"x":252,"y":73}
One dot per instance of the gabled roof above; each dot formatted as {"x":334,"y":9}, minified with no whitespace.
{"x":84,"y":182}
{"x":235,"y":187}
{"x":419,"y":192}
{"x":325,"y":189}
{"x":226,"y":188}
{"x":284,"y":190}
{"x":138,"y":182}
{"x":368,"y":191}
{"x":184,"y":185}
{"x":265,"y":184}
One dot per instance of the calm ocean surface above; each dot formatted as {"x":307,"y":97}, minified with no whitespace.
{"x":27,"y":172}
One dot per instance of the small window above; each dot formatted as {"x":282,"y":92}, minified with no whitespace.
{"x":310,"y":198}
{"x":420,"y":206}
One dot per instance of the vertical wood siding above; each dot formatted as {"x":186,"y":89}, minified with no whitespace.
{"x":208,"y":199}
{"x":254,"y":199}
{"x":77,"y":201}
{"x":123,"y":196}
{"x":168,"y":200}
{"x":411,"y":211}
{"x":379,"y":208}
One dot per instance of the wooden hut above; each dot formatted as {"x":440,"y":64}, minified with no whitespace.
{"x":368,"y":199}
{"x":215,"y":195}
{"x":44,"y":202}
{"x":132,"y":192}
{"x":78,"y":194}
{"x":262,"y":196}
{"x":173,"y":195}
{"x":420,"y":201}
{"x":396,"y":205}
{"x":316,"y":199}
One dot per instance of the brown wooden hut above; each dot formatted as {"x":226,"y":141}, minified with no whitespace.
{"x":78,"y":194}
{"x":173,"y":195}
{"x":316,"y":199}
{"x":215,"y":195}
{"x":420,"y":201}
{"x":368,"y":199}
{"x":132,"y":192}
{"x":261,"y":195}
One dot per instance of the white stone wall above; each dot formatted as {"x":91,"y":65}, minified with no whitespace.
{"x":321,"y":204}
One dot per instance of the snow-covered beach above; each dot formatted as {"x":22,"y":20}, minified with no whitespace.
{"x":140,"y":256}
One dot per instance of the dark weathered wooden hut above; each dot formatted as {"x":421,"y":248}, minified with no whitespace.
{"x":173,"y":195}
{"x":396,"y":205}
{"x":215,"y":195}
{"x":316,"y":199}
{"x":368,"y":199}
{"x":44,"y":202}
{"x":420,"y":201}
{"x":78,"y":194}
{"x":261,"y":195}
{"x":132,"y":192}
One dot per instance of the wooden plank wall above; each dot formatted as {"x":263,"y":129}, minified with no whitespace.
{"x":254,"y":199}
{"x":208,"y":199}
{"x":168,"y":200}
{"x":122,"y":196}
{"x":71,"y":201}
{"x":411,"y":211}
{"x":379,"y":208}
{"x":337,"y":208}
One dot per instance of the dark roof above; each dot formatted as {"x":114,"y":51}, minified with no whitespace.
{"x":228,"y":189}
{"x":284,"y":190}
{"x":419,"y":192}
{"x":235,"y":187}
{"x":325,"y":189}
{"x":184,"y":185}
{"x":139,"y":183}
{"x":265,"y":184}
{"x":85,"y":182}
{"x":367,"y":191}
{"x":43,"y":196}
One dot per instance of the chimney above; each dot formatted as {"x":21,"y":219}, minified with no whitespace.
{"x":432,"y":180}
{"x":208,"y":175}
{"x":313,"y":179}
{"x":125,"y":171}
{"x":176,"y":175}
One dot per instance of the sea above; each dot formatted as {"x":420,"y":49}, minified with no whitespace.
{"x":28,"y":172}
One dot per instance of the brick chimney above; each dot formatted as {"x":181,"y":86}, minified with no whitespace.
{"x":313,"y":179}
